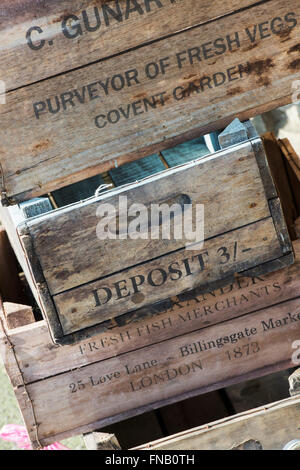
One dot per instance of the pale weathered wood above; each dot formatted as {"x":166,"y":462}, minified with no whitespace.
{"x":73,"y":399}
{"x":138,"y":22}
{"x":101,"y":441}
{"x":34,"y":347}
{"x":248,"y":445}
{"x":257,"y":75}
{"x":17,"y":315}
{"x":272,"y":425}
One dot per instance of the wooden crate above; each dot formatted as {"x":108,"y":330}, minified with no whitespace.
{"x":82,"y":282}
{"x":200,"y":344}
{"x":164,"y":74}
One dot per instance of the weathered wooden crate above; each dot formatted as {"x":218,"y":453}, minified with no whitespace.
{"x":201,"y":343}
{"x":81,"y":281}
{"x":105,"y":88}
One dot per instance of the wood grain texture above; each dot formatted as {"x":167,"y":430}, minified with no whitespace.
{"x":17,"y":315}
{"x":71,"y":254}
{"x":79,"y":308}
{"x":292,"y":160}
{"x":91,"y":396}
{"x":282,"y":418}
{"x":226,"y":79}
{"x":279,"y":173}
{"x":95,"y":38}
{"x":39,"y":358}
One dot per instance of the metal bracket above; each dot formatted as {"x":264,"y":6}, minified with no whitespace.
{"x":236,"y":133}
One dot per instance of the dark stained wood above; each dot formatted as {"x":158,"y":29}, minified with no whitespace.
{"x":292,"y":161}
{"x":278,"y":170}
{"x":282,"y":418}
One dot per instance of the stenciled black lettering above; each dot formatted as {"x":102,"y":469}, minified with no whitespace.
{"x":71,"y":27}
{"x":35,"y":46}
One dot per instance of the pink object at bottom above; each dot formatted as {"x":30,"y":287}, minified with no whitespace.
{"x":18,"y":435}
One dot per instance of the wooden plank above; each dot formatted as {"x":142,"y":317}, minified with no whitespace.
{"x":248,"y":69}
{"x":68,"y":34}
{"x":34,"y":347}
{"x":279,"y":173}
{"x":166,"y":372}
{"x":57,"y":236}
{"x":293,"y":169}
{"x":93,"y":303}
{"x":272,"y":425}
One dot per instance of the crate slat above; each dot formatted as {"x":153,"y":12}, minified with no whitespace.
{"x":61,"y":138}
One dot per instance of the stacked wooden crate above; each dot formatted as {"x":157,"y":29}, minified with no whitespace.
{"x":175,"y":321}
